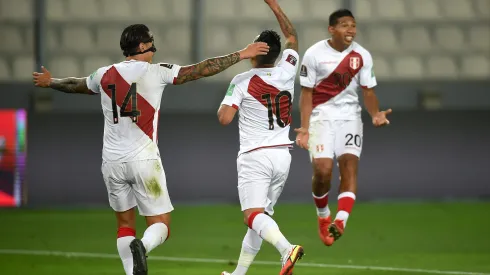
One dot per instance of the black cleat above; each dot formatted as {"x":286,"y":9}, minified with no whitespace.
{"x":139,"y":257}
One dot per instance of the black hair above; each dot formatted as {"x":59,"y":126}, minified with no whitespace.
{"x":273,"y":40}
{"x":131,"y":38}
{"x":336,"y":15}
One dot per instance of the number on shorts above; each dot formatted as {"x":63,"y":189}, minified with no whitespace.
{"x":277,"y":103}
{"x":356,"y":138}
{"x":130,"y":95}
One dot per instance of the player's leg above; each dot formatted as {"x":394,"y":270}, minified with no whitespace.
{"x":122,"y":200}
{"x":322,"y":140}
{"x":154,"y":203}
{"x":348,"y":148}
{"x":281,"y":163}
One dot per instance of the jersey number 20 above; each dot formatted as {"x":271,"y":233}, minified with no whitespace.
{"x":130,"y":95}
{"x":283,"y":120}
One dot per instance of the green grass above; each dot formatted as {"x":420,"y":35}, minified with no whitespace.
{"x":433,"y":236}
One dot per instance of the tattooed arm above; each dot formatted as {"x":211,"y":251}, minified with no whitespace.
{"x":216,"y":65}
{"x":286,"y":25}
{"x":70,"y":85}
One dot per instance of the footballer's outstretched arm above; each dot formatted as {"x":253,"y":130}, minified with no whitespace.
{"x":372,"y":106}
{"x":212,"y":66}
{"x":286,"y":25}
{"x":72,"y":85}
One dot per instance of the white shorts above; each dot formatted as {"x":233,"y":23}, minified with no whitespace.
{"x":261,"y":177}
{"x":139,"y":183}
{"x":329,"y":138}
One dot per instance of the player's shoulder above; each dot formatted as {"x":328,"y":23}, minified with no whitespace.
{"x":242,"y":77}
{"x":361,"y":50}
{"x":315,"y":48}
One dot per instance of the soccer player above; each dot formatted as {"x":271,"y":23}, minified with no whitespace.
{"x":332,"y":72}
{"x":264,"y":97}
{"x":131,"y":93}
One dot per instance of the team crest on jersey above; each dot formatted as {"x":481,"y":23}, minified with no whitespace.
{"x":319,"y":148}
{"x":304,"y":71}
{"x":355,"y":62}
{"x":292,"y":60}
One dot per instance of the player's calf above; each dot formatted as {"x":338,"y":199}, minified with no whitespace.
{"x":348,"y":170}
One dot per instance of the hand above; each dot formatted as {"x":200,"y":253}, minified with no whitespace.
{"x":379,"y":119}
{"x":302,"y":137}
{"x":42,"y":79}
{"x":254,"y":49}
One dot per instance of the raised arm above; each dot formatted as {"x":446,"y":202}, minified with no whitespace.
{"x":72,"y":85}
{"x":286,"y":26}
{"x":212,"y":66}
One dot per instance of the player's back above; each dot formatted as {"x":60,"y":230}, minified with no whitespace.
{"x":131,"y":93}
{"x":266,"y":103}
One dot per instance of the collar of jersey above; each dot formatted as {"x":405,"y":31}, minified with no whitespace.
{"x":334,"y":50}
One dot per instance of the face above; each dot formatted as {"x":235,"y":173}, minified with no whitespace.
{"x":148,"y":56}
{"x":344,"y":31}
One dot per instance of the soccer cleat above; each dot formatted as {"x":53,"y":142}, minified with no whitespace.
{"x":139,"y":257}
{"x":323,"y":230}
{"x":225,"y":273}
{"x":336,"y":229}
{"x":290,"y":260}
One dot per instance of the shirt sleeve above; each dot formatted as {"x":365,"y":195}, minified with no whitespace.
{"x":307,"y":75}
{"x":234,"y":95}
{"x":93,"y":81}
{"x":168,"y":72}
{"x":289,"y":61}
{"x":367,"y":77}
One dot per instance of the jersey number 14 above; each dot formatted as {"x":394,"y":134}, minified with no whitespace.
{"x":130,"y":96}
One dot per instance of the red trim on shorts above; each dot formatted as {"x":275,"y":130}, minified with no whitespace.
{"x":251,"y":218}
{"x":175,"y":81}
{"x":126,"y":232}
{"x":271,"y":146}
{"x":234,"y":106}
{"x":168,"y":232}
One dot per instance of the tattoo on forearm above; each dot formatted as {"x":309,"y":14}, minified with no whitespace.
{"x":287,"y":28}
{"x":70,"y":85}
{"x":207,"y":68}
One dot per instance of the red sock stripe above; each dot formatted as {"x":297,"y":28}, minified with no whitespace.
{"x":126,"y":232}
{"x":251,"y":218}
{"x":321,"y":202}
{"x":346,"y":204}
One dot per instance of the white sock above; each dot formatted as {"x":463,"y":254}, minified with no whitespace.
{"x":250,"y":247}
{"x":125,"y":253}
{"x":324,"y":211}
{"x":268,"y":230}
{"x":154,"y":236}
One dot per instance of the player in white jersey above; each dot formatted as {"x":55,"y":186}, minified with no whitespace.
{"x":131,"y":94}
{"x":332,"y":73}
{"x":263,"y":96}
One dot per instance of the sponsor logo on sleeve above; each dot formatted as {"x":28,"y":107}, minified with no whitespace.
{"x":168,"y":66}
{"x":292,"y":60}
{"x":230,"y":90}
{"x":304,"y":71}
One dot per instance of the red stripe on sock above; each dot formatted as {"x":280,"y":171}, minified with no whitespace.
{"x":126,"y":232}
{"x":321,"y":202}
{"x":251,"y":218}
{"x":346,"y":204}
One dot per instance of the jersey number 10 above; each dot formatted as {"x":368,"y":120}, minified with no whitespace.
{"x":281,"y":121}
{"x":130,"y":95}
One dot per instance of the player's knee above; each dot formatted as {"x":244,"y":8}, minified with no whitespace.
{"x":322,"y":171}
{"x":249,"y":215}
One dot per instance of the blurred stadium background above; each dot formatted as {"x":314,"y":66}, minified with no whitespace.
{"x":432,"y":62}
